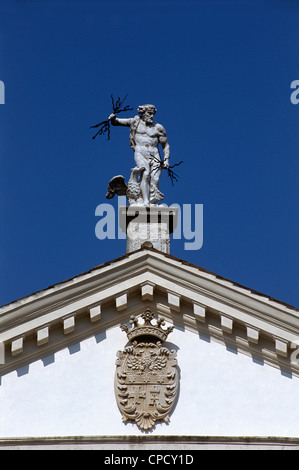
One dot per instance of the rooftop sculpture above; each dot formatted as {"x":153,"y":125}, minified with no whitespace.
{"x":145,"y":136}
{"x":144,"y":220}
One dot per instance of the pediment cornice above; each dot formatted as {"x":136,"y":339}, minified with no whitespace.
{"x":185,"y":294}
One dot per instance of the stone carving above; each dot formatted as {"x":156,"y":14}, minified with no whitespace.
{"x":146,"y":378}
{"x":145,"y":137}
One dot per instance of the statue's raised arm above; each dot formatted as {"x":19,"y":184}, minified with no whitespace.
{"x":119,"y":122}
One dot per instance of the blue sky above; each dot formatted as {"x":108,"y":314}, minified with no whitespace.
{"x":219,"y":73}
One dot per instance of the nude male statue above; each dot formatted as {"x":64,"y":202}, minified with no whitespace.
{"x":145,"y":137}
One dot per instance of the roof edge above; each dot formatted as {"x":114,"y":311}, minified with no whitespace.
{"x":18,"y":302}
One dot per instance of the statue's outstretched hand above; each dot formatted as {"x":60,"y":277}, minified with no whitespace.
{"x":111,"y":117}
{"x":166,"y":164}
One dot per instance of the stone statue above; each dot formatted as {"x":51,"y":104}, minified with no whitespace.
{"x":142,"y":188}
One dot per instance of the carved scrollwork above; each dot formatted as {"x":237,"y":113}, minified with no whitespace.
{"x":146,"y":379}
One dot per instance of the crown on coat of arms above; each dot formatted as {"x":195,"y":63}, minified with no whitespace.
{"x":147,"y":328}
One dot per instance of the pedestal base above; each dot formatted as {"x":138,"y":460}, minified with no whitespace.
{"x":148,"y":225}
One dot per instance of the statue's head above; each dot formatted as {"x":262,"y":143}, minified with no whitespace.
{"x":147,"y":111}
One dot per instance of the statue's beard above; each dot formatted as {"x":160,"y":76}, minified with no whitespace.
{"x":148,"y":120}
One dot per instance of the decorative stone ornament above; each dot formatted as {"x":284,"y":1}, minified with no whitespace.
{"x":146,"y":378}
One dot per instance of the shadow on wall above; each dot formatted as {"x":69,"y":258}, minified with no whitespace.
{"x":231,"y":342}
{"x":49,"y":359}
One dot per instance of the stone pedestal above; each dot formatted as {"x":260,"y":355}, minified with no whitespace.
{"x":151,"y":225}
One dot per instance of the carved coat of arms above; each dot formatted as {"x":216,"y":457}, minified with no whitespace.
{"x":146,"y":379}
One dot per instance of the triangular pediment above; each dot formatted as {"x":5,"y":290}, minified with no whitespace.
{"x":187,"y":296}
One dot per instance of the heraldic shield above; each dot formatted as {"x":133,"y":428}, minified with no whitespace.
{"x":146,"y":378}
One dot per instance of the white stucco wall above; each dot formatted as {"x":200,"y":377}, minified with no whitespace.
{"x":221,"y":393}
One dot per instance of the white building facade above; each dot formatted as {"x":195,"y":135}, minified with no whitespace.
{"x":236,"y":352}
